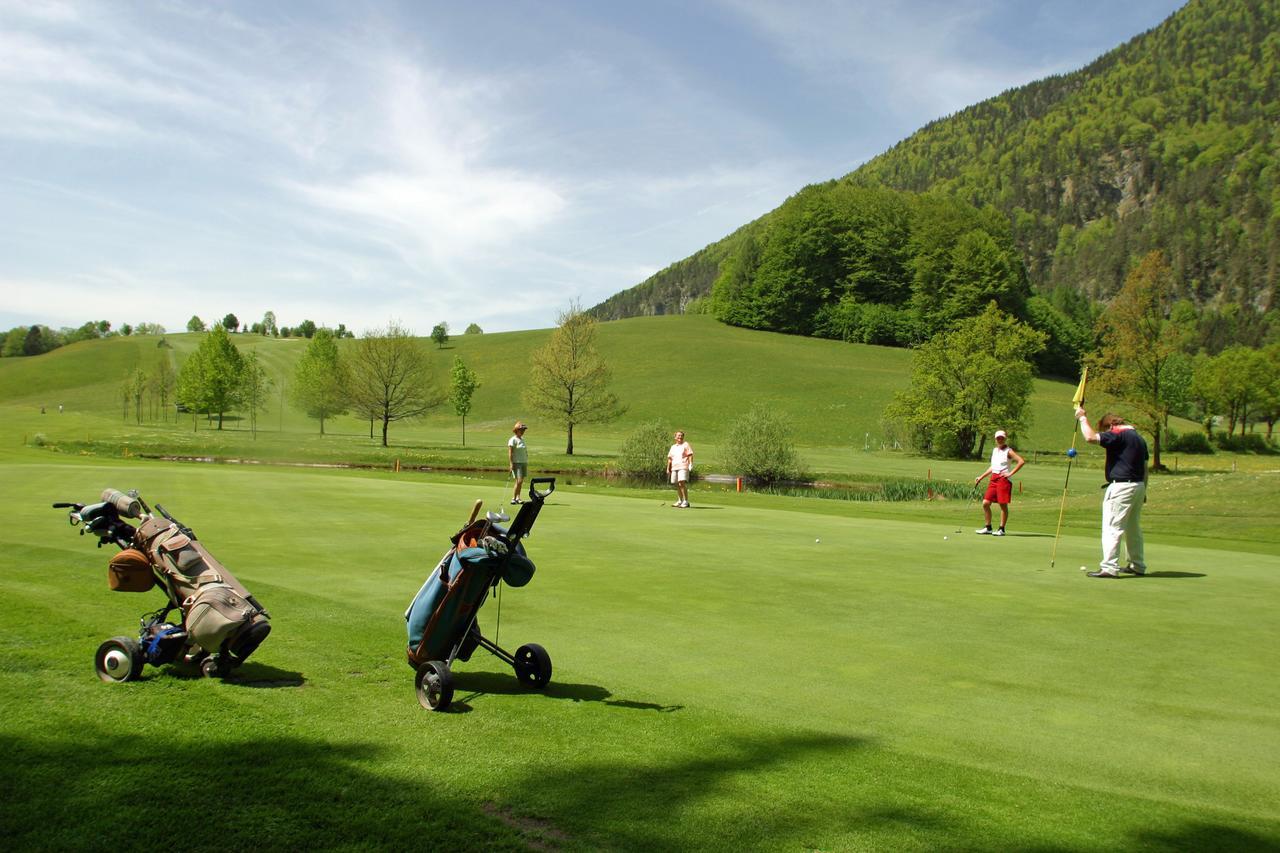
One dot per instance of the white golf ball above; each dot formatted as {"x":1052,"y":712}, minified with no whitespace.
{"x":946,"y":537}
{"x":1084,"y":568}
{"x":816,"y":541}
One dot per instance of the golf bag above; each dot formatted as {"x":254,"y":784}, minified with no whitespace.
{"x":221,"y":624}
{"x":441,"y":619}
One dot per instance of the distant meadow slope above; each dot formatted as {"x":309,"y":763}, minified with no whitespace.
{"x":688,"y":370}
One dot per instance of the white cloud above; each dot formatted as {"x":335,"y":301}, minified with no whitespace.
{"x":928,"y":57}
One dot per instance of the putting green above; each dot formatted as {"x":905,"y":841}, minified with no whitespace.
{"x":722,"y":681}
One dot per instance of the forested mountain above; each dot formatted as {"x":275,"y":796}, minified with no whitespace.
{"x":1169,"y":142}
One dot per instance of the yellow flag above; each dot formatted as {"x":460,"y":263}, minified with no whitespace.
{"x":1078,"y":399}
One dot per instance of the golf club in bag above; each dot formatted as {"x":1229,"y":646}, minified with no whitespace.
{"x":221,"y":622}
{"x":442,"y":617}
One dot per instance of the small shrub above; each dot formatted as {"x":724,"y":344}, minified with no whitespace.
{"x":1192,"y":442}
{"x":643,"y":453}
{"x":1250,"y":442}
{"x":760,"y":448}
{"x":39,"y":440}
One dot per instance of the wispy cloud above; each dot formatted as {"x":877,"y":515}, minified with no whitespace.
{"x":932,"y":57}
{"x":354,"y":162}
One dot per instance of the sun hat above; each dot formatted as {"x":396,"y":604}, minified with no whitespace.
{"x":1000,"y":434}
{"x":519,"y":425}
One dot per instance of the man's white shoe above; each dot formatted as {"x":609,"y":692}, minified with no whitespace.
{"x":999,"y":531}
{"x":983,"y":531}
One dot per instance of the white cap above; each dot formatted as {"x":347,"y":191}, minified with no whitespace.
{"x":1000,"y":434}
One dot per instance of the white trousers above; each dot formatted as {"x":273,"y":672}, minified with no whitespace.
{"x":1122,"y":522}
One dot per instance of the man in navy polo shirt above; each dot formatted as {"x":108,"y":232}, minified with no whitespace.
{"x":1125,"y":493}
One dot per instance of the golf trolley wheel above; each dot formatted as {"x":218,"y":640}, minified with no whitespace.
{"x":213,"y":667}
{"x":118,"y":659}
{"x":434,"y":683}
{"x":533,"y":665}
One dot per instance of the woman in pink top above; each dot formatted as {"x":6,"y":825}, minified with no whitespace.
{"x":679,"y":464}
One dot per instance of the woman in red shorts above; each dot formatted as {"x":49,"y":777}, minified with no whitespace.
{"x":1000,"y":489}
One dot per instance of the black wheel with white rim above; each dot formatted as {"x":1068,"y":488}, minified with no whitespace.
{"x":118,"y":659}
{"x":211,"y":667}
{"x":533,"y":665}
{"x":434,"y":683}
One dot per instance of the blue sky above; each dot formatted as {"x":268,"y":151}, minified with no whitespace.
{"x":489,"y":162}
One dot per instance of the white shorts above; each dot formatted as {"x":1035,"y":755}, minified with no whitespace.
{"x":679,"y":475}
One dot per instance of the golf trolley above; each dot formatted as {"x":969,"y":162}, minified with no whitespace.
{"x":221,"y":624}
{"x":442,"y":617}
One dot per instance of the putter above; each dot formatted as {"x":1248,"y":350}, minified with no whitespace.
{"x":968,"y":507}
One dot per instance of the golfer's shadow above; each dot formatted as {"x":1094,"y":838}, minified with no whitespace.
{"x":1030,"y":535}
{"x":478,"y":684}
{"x":1167,"y":575}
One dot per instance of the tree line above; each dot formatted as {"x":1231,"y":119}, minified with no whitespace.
{"x":384,"y":376}
{"x":39,"y":339}
{"x":1151,"y":354}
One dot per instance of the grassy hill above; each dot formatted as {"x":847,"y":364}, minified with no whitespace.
{"x":690,"y":371}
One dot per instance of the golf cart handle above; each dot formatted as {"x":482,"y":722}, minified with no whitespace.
{"x":535,"y":494}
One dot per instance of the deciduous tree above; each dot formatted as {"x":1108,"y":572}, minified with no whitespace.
{"x":1138,"y":341}
{"x":321,"y":380}
{"x":255,"y":387}
{"x":967,"y":383}
{"x":568,"y":379}
{"x":440,"y":334}
{"x":210,"y":379}
{"x":162,"y":382}
{"x":390,"y":377}
{"x":462,"y":384}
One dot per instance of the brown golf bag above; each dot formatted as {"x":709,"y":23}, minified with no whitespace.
{"x":222,"y":623}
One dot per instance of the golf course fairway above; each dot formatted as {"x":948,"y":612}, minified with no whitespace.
{"x":722,"y":679}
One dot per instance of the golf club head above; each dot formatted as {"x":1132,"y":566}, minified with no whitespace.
{"x":498,"y":517}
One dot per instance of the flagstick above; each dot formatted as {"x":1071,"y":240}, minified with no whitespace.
{"x":1078,"y":401}
{"x":1063,"y":508}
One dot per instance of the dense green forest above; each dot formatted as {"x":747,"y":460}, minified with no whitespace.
{"x":1168,"y":142}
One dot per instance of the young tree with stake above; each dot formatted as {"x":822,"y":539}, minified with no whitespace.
{"x":462,"y":384}
{"x":568,"y":379}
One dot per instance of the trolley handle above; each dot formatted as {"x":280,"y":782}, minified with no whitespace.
{"x":540,"y":496}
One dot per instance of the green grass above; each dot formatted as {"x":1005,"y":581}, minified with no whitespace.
{"x":722,"y":681}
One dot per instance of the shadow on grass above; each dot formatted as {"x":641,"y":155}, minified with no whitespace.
{"x":254,"y":674}
{"x":473,"y":685}
{"x":1205,"y":836}
{"x":638,"y":804}
{"x":1165,"y":575}
{"x":249,"y":675}
{"x":98,"y":789}
{"x":116,"y":790}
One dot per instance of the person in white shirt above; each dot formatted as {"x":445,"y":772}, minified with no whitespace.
{"x":517,"y":459}
{"x":1000,"y":487}
{"x":679,"y":464}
